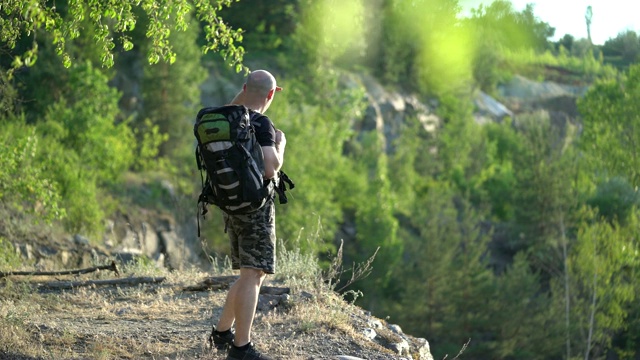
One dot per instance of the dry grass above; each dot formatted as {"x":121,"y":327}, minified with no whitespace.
{"x":161,"y":321}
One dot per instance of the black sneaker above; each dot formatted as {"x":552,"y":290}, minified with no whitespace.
{"x":220,"y":340}
{"x":247,"y":352}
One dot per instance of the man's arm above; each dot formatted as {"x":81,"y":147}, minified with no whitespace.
{"x":274,"y":156}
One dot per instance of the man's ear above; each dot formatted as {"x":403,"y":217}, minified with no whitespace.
{"x":244,"y":87}
{"x":270,"y":94}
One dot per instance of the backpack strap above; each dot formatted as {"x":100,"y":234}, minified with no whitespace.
{"x":281,"y":187}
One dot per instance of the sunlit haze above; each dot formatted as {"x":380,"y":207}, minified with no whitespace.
{"x":610,"y":17}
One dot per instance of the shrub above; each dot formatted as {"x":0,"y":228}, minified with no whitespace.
{"x":9,"y":259}
{"x":25,"y":185}
{"x":614,"y":199}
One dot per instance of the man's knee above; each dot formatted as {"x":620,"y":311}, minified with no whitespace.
{"x":253,"y":275}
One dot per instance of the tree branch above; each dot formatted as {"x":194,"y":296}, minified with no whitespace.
{"x":111,"y":267}
{"x":126,"y":281}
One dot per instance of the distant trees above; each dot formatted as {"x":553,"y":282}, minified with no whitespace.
{"x":626,"y":45}
{"x":566,"y":42}
{"x":501,"y":23}
{"x":611,"y":111}
{"x":416,"y":43}
{"x":497,"y":28}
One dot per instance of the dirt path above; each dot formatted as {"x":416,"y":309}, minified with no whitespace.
{"x":161,"y":321}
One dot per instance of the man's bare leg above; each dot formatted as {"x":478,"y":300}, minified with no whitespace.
{"x":240,"y":305}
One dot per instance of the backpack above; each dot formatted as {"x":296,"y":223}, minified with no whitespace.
{"x":228,"y":151}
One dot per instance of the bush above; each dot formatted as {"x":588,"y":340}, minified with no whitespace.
{"x":614,"y":199}
{"x":25,"y":184}
{"x":9,"y":259}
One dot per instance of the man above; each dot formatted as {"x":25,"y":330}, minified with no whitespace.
{"x":252,"y":236}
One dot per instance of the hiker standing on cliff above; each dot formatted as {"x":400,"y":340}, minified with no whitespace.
{"x":253,"y":235}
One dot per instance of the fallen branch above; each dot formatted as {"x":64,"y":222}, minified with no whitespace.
{"x":213,"y":283}
{"x":274,"y":290}
{"x":126,"y":281}
{"x":111,"y":267}
{"x":224,"y":282}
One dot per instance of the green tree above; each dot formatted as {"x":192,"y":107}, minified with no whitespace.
{"x":519,"y":308}
{"x":417,"y":44}
{"x":615,"y":199}
{"x":503,"y":143}
{"x":474,"y":157}
{"x":566,"y":42}
{"x":9,"y":96}
{"x":501,"y":24}
{"x":43,"y":84}
{"x":545,"y":169}
{"x":85,"y":124}
{"x":171,"y":92}
{"x":270,"y":24}
{"x":611,"y":113}
{"x":376,"y":224}
{"x":444,"y":276}
{"x":600,"y":263}
{"x":626,"y":46}
{"x":112,"y":24}
{"x":327,"y":181}
{"x":83,"y":148}
{"x":327,"y":33}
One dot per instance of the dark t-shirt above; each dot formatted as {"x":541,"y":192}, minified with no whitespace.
{"x":265,"y":131}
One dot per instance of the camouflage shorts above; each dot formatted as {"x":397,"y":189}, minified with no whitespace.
{"x":253,"y":239}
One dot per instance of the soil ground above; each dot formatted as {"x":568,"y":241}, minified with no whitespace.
{"x":162,"y":321}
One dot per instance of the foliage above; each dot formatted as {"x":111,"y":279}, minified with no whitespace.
{"x":499,"y":184}
{"x":115,"y":20}
{"x":519,"y":308}
{"x":25,"y":184}
{"x":148,"y":150}
{"x":599,"y":266}
{"x":417,"y":44}
{"x":477,"y":158}
{"x":9,"y":95}
{"x":9,"y":259}
{"x":545,"y":171}
{"x":268,"y":26}
{"x":375,"y":219}
{"x":86,"y":126}
{"x":82,"y":148}
{"x":611,"y":112}
{"x":585,"y":68}
{"x":329,"y":32}
{"x":410,"y":164}
{"x":500,"y":23}
{"x":77,"y":187}
{"x":443,"y":271}
{"x":626,"y":46}
{"x":324,"y":178}
{"x":486,"y":70}
{"x":499,"y":28}
{"x":171,"y":92}
{"x":615,"y":200}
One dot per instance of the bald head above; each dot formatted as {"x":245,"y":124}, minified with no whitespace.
{"x":258,"y":91}
{"x":261,"y":82}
